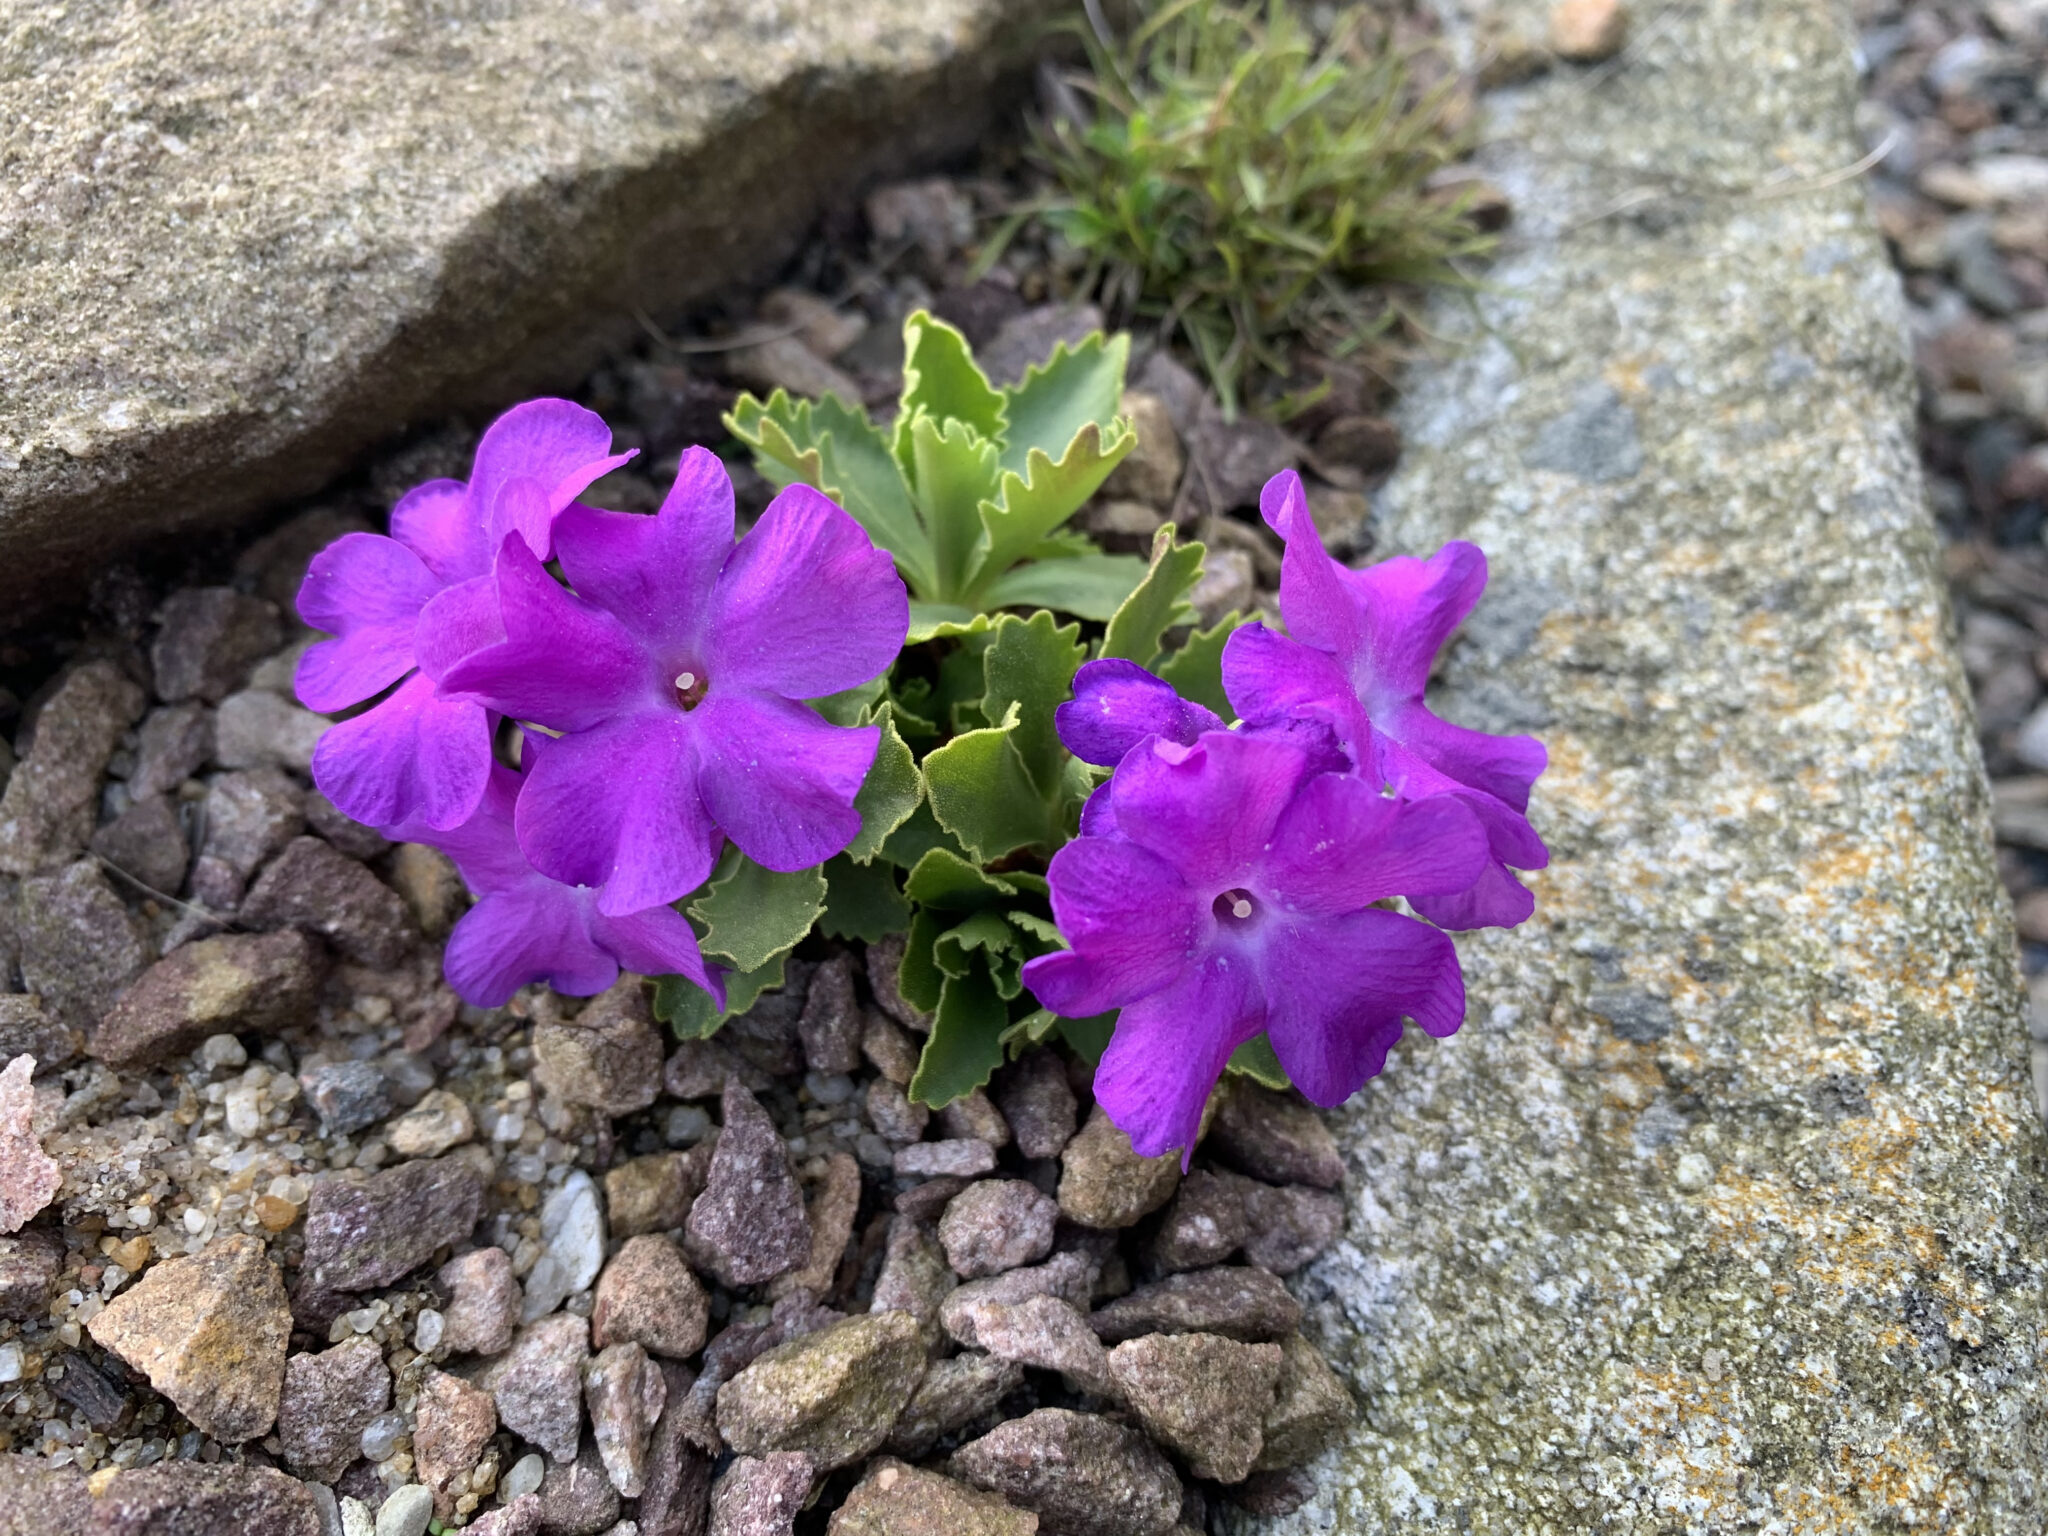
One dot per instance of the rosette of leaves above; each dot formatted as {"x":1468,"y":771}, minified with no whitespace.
{"x":970,"y":486}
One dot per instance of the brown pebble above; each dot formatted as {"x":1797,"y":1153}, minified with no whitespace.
{"x":1587,"y":31}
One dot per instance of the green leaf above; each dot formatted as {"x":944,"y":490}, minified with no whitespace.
{"x":953,"y":473}
{"x":1029,"y":505}
{"x":941,"y":378}
{"x":982,"y":793}
{"x":851,"y":707}
{"x":862,"y":901}
{"x":979,"y":931}
{"x":1030,"y":1030}
{"x":1088,"y":586}
{"x":833,"y":447}
{"x":966,"y":1044}
{"x":1255,"y":1060}
{"x":917,"y":837}
{"x":1041,"y":937}
{"x":1089,"y":1037}
{"x":1030,"y":665}
{"x":889,"y":794}
{"x":939,"y":621}
{"x":1159,"y":602}
{"x":1196,"y":669}
{"x":946,"y":882}
{"x":751,"y":914}
{"x":1057,"y":398}
{"x":689,"y":1010}
{"x":918,"y":978}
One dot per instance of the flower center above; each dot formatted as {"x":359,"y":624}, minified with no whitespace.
{"x":690,"y":688}
{"x":1233,"y":909}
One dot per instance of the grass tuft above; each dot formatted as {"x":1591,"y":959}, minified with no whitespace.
{"x":1255,"y":187}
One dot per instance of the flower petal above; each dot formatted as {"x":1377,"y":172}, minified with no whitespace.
{"x":617,"y":807}
{"x":484,"y":847}
{"x":553,"y":442}
{"x":1503,"y":766}
{"x":1117,"y":704}
{"x":435,"y":522}
{"x":459,"y":621}
{"x":535,"y":931}
{"x":1342,"y":845}
{"x":564,"y":664}
{"x":1129,"y":920}
{"x":414,"y":757}
{"x":1508,"y":831}
{"x":1271,"y":679}
{"x":1169,"y":1049}
{"x":778,"y":779}
{"x":655,"y":574}
{"x":1207,"y":810}
{"x":1313,"y":600}
{"x":1495,"y":900}
{"x":1337,"y":990}
{"x":367,"y":591}
{"x":1408,"y":609}
{"x":806,"y":606}
{"x":658,"y":942}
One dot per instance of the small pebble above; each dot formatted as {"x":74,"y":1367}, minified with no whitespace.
{"x":523,"y":1478}
{"x":406,"y":1512}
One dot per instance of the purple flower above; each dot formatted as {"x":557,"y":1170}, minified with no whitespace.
{"x":526,"y":927}
{"x":406,"y":606}
{"x":1362,"y":643}
{"x":1237,"y":896}
{"x":674,"y":673}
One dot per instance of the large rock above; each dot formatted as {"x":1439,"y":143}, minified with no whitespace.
{"x":1616,"y":1256}
{"x":243,"y":246}
{"x":225,"y":985}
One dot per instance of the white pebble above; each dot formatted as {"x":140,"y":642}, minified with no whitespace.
{"x":10,"y":1362}
{"x":524,"y":1478}
{"x":329,"y":1511}
{"x":195,"y":1220}
{"x":223,"y":1051}
{"x":406,"y":1512}
{"x":380,"y":1436}
{"x":572,"y":1228}
{"x":245,"y":1109}
{"x":426,"y":1331}
{"x":356,"y":1519}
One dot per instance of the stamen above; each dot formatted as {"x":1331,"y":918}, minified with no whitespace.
{"x":685,"y":681}
{"x":1240,"y":908}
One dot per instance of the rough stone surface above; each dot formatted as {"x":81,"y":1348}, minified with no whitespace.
{"x":654,"y":1193}
{"x":1103,"y":1183}
{"x":328,"y":1401}
{"x":209,"y":1332}
{"x":1038,"y":1103}
{"x":29,"y":1177}
{"x":207,"y":640}
{"x":28,"y":1264}
{"x":648,"y":1296}
{"x":1045,"y":1333}
{"x":1204,"y":1225}
{"x":185,"y":1498}
{"x":1274,"y":1136}
{"x":262,"y":265}
{"x":749,"y":1224}
{"x":27,"y":1029}
{"x":577,"y":1498}
{"x":1203,"y":1397}
{"x":538,"y":1384}
{"x":248,"y":820}
{"x":1069,"y":1276}
{"x":626,"y":1393}
{"x":312,"y":887}
{"x":453,"y":1422}
{"x":232,"y":984}
{"x":915,"y":1276}
{"x":1287,"y":1225}
{"x":47,"y":809}
{"x":896,"y":1500}
{"x":885,"y":959}
{"x":79,"y":945}
{"x":830,"y":1025}
{"x":1662,"y":1260}
{"x":997,"y":1224}
{"x":965,"y":1158}
{"x":174,"y":742}
{"x":369,"y":1233}
{"x":346,"y":1095}
{"x":1234,"y":1300}
{"x":439,"y":1122}
{"x":832,"y":1394}
{"x":483,"y":1308}
{"x":1310,"y":1409}
{"x":146,"y":843}
{"x":761,"y":1495}
{"x":572,"y":1246}
{"x":834,"y":1203}
{"x":260,"y":729}
{"x":1084,"y":1475}
{"x":608,"y":1057}
{"x":954,"y":1393}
